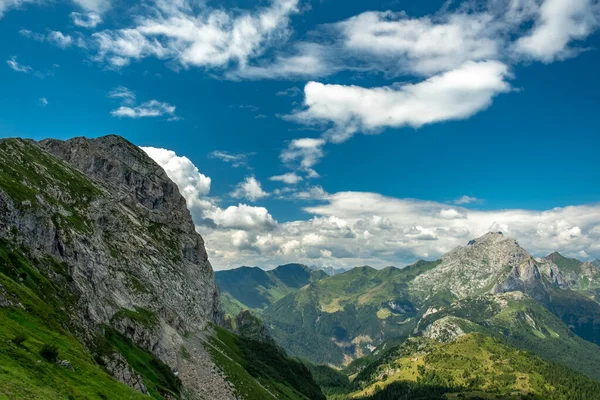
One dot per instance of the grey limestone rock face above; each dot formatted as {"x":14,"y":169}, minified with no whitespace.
{"x":108,"y":211}
{"x":475,"y":268}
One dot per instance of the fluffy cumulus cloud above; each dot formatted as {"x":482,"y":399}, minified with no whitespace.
{"x":453,"y":95}
{"x":354,"y":228}
{"x":243,"y":217}
{"x":197,"y":36}
{"x":250,"y":189}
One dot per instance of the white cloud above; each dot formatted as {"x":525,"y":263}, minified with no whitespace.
{"x":94,"y":6}
{"x":467,"y":200}
{"x":56,"y":38}
{"x":32,"y":35}
{"x":313,"y":193}
{"x":211,"y":38}
{"x":250,"y":189}
{"x":308,"y":60}
{"x":293,"y":91}
{"x":451,"y":213}
{"x":558,"y":23}
{"x":457,"y":94}
{"x":152,"y":108}
{"x":123,"y":94}
{"x":43,"y":102}
{"x":236,"y":160}
{"x":243,"y":217}
{"x":86,"y":20}
{"x":426,"y":45}
{"x":6,"y":5}
{"x":305,"y":152}
{"x":60,"y":39}
{"x":290,"y":178}
{"x":16,"y":66}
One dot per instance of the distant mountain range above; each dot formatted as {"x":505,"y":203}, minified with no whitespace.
{"x":330,"y":270}
{"x":254,"y":289}
{"x":490,"y":286}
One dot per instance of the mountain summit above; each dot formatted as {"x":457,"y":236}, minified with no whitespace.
{"x":475,"y":268}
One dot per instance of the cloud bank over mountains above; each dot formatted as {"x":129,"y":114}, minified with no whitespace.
{"x":358,"y":228}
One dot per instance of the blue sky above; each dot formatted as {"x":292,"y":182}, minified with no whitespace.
{"x":329,"y":132}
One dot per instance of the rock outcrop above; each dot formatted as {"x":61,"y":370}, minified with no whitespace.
{"x":247,"y":325}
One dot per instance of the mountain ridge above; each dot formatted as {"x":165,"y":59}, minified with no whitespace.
{"x":254,"y":289}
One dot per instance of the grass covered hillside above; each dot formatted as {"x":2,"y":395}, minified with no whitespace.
{"x":251,"y":288}
{"x":474,"y":366}
{"x":261,"y":371}
{"x":34,"y":316}
{"x":521,"y":322}
{"x":342,"y":317}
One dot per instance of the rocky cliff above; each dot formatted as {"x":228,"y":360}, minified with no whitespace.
{"x":132,"y":258}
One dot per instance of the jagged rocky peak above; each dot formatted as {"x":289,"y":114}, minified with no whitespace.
{"x":117,"y":162}
{"x":474,"y":268}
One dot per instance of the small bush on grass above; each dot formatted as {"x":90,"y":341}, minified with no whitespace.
{"x":49,"y":352}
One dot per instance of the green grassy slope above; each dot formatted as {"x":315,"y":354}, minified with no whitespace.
{"x":24,"y":374}
{"x":524,"y":324}
{"x":474,"y":366}
{"x":251,"y":288}
{"x":565,"y":264}
{"x":261,"y":371}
